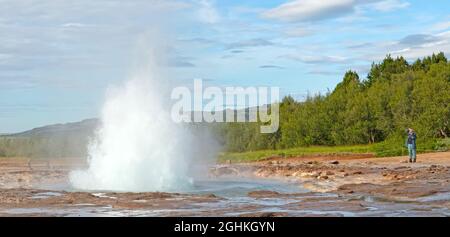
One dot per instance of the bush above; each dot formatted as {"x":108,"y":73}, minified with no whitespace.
{"x":442,"y":145}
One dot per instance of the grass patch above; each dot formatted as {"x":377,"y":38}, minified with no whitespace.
{"x":390,"y":147}
{"x":397,"y":147}
{"x":295,"y":152}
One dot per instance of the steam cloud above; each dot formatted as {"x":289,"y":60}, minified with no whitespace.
{"x":138,"y":147}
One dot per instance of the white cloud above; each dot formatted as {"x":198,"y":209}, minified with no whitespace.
{"x":418,"y":39}
{"x":299,"y":32}
{"x":73,"y":25}
{"x":410,"y":47}
{"x":310,"y":10}
{"x":207,"y":12}
{"x":44,"y":38}
{"x":358,"y":15}
{"x":4,"y":57}
{"x":441,"y":26}
{"x":390,"y":5}
{"x":320,"y":59}
{"x":270,"y":66}
{"x":322,"y":71}
{"x":314,"y":10}
{"x":431,"y":44}
{"x":258,"y":42}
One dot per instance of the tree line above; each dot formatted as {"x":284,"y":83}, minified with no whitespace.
{"x":395,"y":95}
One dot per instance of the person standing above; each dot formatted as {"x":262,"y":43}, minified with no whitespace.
{"x":411,"y":145}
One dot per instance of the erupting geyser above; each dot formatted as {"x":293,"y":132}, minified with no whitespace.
{"x":137,"y":146}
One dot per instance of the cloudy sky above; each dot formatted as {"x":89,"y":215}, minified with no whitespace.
{"x":58,"y":56}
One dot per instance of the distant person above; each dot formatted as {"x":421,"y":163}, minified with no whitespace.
{"x":411,"y":145}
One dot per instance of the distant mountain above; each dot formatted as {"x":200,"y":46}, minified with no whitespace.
{"x":52,"y":141}
{"x":84,"y":127}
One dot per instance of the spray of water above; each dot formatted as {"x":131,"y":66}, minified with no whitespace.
{"x":137,"y":146}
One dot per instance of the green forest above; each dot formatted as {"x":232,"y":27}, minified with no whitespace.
{"x":377,"y":109}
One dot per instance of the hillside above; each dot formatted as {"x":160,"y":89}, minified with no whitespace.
{"x":83,"y":127}
{"x":58,"y":140}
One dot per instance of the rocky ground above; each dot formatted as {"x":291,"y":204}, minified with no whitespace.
{"x":390,"y":176}
{"x":335,"y":186}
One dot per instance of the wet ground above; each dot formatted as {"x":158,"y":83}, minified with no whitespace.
{"x":307,"y":186}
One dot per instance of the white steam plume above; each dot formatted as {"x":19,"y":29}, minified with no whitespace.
{"x":137,"y":146}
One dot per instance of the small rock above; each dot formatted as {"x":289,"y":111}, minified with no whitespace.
{"x":329,"y":173}
{"x":301,"y":174}
{"x":357,"y":172}
{"x":308,"y":174}
{"x":322,"y":177}
{"x":334,"y":162}
{"x":210,"y":195}
{"x":263,"y":194}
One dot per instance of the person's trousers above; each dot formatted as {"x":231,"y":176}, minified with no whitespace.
{"x":412,"y":152}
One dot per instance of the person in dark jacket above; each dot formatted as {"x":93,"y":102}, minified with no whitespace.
{"x":411,"y":145}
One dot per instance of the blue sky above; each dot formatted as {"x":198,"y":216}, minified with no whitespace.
{"x":57,"y":57}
